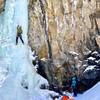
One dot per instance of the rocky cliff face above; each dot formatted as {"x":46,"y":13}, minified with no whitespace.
{"x":68,"y":26}
{"x":1,"y":3}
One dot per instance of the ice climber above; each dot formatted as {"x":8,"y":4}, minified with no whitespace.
{"x":74,"y":85}
{"x":19,"y":34}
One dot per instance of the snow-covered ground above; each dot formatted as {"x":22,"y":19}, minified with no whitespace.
{"x":91,"y":94}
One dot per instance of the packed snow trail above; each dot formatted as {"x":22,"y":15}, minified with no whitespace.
{"x":15,"y":59}
{"x":91,"y":94}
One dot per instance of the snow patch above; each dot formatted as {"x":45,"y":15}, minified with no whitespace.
{"x":91,"y":58}
{"x":89,"y":68}
{"x":92,"y":94}
{"x":73,"y":53}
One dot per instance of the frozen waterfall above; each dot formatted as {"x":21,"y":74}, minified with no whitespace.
{"x":15,"y":62}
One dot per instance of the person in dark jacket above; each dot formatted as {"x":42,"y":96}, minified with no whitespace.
{"x":74,"y":82}
{"x":19,"y":34}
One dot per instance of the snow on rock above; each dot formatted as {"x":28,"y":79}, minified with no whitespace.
{"x":33,"y":55}
{"x":90,"y":68}
{"x":73,"y":53}
{"x":91,"y":58}
{"x":95,"y":52}
{"x":97,"y":61}
{"x":91,"y":94}
{"x":42,"y":81}
{"x":85,"y":65}
{"x":91,"y":72}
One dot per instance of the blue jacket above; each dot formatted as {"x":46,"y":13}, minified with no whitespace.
{"x":74,"y":82}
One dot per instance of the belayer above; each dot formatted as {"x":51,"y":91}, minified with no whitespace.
{"x":74,"y":82}
{"x":19,"y":34}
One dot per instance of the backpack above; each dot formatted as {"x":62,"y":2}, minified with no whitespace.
{"x":19,"y":30}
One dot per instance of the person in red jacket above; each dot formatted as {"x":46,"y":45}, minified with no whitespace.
{"x":65,"y":98}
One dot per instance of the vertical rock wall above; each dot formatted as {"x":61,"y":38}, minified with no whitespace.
{"x":68,"y":26}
